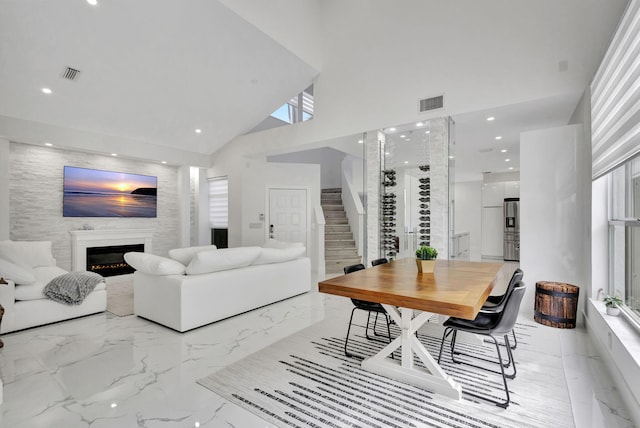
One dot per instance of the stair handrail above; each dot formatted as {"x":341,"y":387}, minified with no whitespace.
{"x":319,"y":222}
{"x":354,"y":210}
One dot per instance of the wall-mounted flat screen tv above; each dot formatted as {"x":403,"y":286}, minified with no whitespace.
{"x":96,"y":193}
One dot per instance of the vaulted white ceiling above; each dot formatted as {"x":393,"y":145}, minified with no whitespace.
{"x":152,"y":71}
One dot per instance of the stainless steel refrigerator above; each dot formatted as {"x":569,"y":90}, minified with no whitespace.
{"x":512,"y":229}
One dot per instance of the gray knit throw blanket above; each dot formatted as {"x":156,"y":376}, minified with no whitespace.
{"x":72,"y":288}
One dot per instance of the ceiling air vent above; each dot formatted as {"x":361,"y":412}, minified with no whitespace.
{"x":70,"y":74}
{"x":432,"y":103}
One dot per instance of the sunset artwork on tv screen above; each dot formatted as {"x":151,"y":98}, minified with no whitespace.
{"x":96,"y":193}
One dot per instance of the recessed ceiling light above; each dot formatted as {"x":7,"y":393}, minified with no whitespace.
{"x":164,"y":162}
{"x":46,"y":91}
{"x":406,"y":161}
{"x":510,"y":167}
{"x":507,"y":160}
{"x":360,"y":142}
{"x":451,"y":157}
{"x":114,"y":405}
{"x":419,"y":124}
{"x":92,"y":2}
{"x":490,"y":118}
{"x":402,"y":136}
{"x":48,"y":144}
{"x":114,"y":154}
{"x":503,"y":151}
{"x":499,"y":137}
{"x":392,"y":129}
{"x":386,"y":153}
{"x":427,"y":132}
{"x":198,"y":131}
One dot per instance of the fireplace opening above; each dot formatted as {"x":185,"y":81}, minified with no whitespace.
{"x":109,"y":261}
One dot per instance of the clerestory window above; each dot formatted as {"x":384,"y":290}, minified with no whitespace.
{"x":297,"y":109}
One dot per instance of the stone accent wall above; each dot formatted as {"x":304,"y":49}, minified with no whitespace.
{"x":439,"y":161}
{"x":35,"y":199}
{"x":373,"y":155}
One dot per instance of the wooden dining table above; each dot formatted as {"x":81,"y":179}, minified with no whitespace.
{"x":455,"y":288}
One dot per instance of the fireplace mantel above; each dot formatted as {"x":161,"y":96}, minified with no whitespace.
{"x":83,"y":239}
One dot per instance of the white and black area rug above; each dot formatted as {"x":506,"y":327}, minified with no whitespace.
{"x":305,"y":380}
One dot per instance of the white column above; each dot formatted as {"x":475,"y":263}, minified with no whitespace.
{"x":184,"y":206}
{"x":372,"y":155}
{"x":438,"y":150}
{"x":204,"y":227}
{"x":4,"y":189}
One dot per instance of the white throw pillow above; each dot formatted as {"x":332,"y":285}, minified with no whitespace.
{"x":222,"y":259}
{"x":154,"y":265}
{"x":185,"y":255}
{"x":16,"y":273}
{"x":43,"y":276}
{"x":27,"y":253}
{"x":279,"y":255}
{"x":274,"y":243}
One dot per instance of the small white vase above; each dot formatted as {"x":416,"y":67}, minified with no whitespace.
{"x":613,"y":310}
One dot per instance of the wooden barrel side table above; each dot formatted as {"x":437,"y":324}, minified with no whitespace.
{"x":556,"y":304}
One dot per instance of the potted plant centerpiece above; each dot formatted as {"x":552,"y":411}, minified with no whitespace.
{"x":426,"y":259}
{"x":613,"y":304}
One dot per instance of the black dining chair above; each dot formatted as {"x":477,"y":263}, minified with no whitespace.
{"x":377,"y":262}
{"x":488,"y":324}
{"x":496,"y":303}
{"x":364,"y":305}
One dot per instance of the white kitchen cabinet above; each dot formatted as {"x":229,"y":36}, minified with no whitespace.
{"x":492,"y":232}
{"x":492,"y":194}
{"x":511,"y":189}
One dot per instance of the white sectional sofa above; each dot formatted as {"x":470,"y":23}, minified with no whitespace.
{"x":28,"y":266}
{"x":201,"y":285}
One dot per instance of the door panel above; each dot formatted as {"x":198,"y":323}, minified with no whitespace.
{"x":288,"y":214}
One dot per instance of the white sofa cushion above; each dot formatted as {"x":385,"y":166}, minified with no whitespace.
{"x":222,"y":259}
{"x":16,"y":273}
{"x":274,"y":243}
{"x":27,"y":253}
{"x":154,"y":265}
{"x":42,"y":276}
{"x":278,"y":255}
{"x":185,"y":255}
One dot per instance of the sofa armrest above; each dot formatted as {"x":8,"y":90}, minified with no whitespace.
{"x":7,"y":295}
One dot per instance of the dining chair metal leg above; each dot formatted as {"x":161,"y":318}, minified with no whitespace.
{"x":506,"y":364}
{"x":346,"y":340}
{"x":503,"y":404}
{"x":366,"y":329}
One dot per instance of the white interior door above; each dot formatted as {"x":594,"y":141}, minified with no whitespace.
{"x":288,"y":215}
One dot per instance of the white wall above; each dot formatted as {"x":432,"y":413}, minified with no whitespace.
{"x":292,"y":23}
{"x":35,"y":199}
{"x":330,"y":161}
{"x":255,"y":181}
{"x":555,"y":208}
{"x":468,"y":213}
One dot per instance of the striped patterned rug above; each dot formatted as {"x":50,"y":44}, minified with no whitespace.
{"x":306,"y":381}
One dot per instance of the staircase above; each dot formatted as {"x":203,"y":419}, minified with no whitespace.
{"x":339,"y":245}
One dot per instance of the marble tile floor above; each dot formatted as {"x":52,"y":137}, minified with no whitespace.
{"x":108,"y":371}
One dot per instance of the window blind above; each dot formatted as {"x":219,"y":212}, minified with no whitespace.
{"x":219,"y":203}
{"x":615,"y":97}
